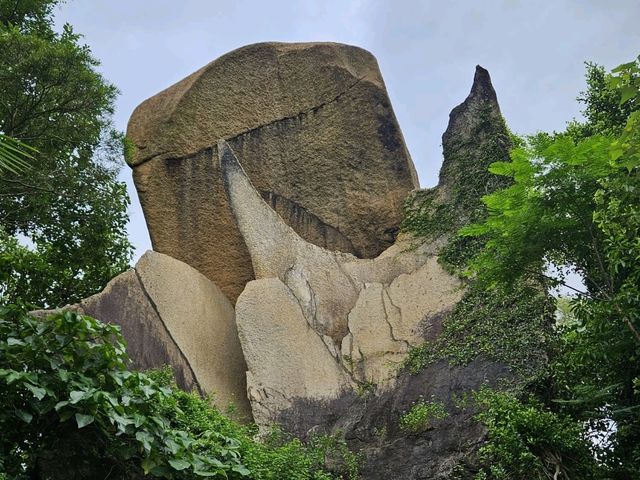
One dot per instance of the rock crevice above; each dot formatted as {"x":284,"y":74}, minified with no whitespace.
{"x":297,"y":116}
{"x":196,"y":383}
{"x":335,"y":165}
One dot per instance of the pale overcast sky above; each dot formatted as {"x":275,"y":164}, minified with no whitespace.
{"x":427,"y":51}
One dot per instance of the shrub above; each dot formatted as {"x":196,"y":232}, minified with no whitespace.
{"x":419,"y":417}
{"x":527,"y":441}
{"x":71,"y":408}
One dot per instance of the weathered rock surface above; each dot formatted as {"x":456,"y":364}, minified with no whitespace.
{"x":333,"y":321}
{"x":475,"y":137}
{"x":370,"y":422}
{"x":172,"y":315}
{"x":286,"y":358}
{"x":356,"y":319}
{"x":314,"y":129}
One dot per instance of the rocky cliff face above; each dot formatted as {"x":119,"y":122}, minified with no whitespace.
{"x":340,"y":327}
{"x":314,"y":129}
{"x":271,"y":171}
{"x":317,"y":324}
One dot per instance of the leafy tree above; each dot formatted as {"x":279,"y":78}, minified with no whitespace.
{"x":528,"y":441}
{"x":62,"y":233}
{"x":575,"y":201}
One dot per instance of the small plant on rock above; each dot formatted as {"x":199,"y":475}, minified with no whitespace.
{"x":419,"y":417}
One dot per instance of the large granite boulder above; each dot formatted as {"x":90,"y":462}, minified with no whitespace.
{"x":170,"y":314}
{"x":317,"y":325}
{"x":314,"y":129}
{"x":339,"y":326}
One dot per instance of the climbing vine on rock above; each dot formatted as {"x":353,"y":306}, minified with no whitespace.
{"x":507,"y":325}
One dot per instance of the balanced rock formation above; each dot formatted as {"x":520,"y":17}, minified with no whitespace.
{"x":170,"y":314}
{"x":316,"y":324}
{"x":314,"y":129}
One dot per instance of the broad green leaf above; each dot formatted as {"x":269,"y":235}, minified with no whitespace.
{"x":38,"y":392}
{"x":13,"y":376}
{"x":77,"y":395}
{"x":24,"y":416}
{"x":627,"y":92}
{"x":138,"y":420}
{"x":179,"y":464}
{"x":242,"y":470}
{"x":148,"y":390}
{"x":145,"y":439}
{"x":83,"y":420}
{"x":206,"y":473}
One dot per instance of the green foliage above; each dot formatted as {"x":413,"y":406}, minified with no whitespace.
{"x":570,"y":200}
{"x":421,"y":414}
{"x":526,"y":441}
{"x":14,"y":155}
{"x":277,"y":455}
{"x":433,"y":214}
{"x":65,"y":381}
{"x":70,"y":408}
{"x":63,"y":225}
{"x":323,"y":458}
{"x":604,"y":111}
{"x":549,"y":205}
{"x":575,"y":201}
{"x":510,"y":326}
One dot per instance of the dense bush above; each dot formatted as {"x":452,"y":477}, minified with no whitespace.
{"x":71,"y":408}
{"x":527,"y":441}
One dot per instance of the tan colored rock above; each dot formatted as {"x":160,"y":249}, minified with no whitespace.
{"x":352,"y":315}
{"x":389,"y":319}
{"x":286,"y":358}
{"x":370,"y":349}
{"x":201,"y":321}
{"x":277,"y":251}
{"x":315,"y":131}
{"x":170,"y":314}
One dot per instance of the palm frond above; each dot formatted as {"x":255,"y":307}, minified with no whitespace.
{"x":14,"y":154}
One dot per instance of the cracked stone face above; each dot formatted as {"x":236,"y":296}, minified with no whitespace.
{"x":315,"y":324}
{"x":314,"y":129}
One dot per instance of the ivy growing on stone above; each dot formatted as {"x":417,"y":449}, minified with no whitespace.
{"x":509,"y":325}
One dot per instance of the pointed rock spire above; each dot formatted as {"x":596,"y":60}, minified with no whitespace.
{"x":475,"y":137}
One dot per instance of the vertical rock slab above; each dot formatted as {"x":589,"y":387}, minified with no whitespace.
{"x":286,"y":358}
{"x":149,"y":343}
{"x":314,"y":129}
{"x":201,"y":322}
{"x":170,"y":314}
